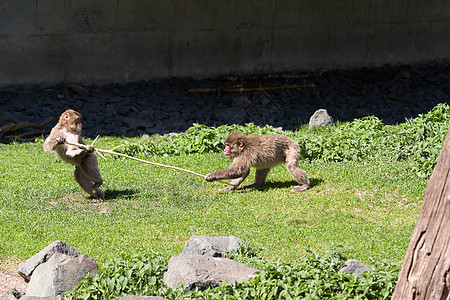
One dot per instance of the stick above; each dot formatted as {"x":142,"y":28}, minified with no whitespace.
{"x":14,"y":127}
{"x":242,"y":89}
{"x":141,"y":160}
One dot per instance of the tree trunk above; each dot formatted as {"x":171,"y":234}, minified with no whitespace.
{"x":426,"y":269}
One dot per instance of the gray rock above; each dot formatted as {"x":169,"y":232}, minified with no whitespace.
{"x":355,"y":267}
{"x":212,"y":245}
{"x":202,"y":272}
{"x":26,"y":268}
{"x":140,"y":123}
{"x":59,"y":274}
{"x":58,"y":297}
{"x":6,"y":118}
{"x":230,"y":115}
{"x":320,"y":118}
{"x":241,"y":101}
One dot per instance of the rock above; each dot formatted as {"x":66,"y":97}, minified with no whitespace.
{"x":75,"y":89}
{"x":355,"y":267}
{"x":202,"y":272}
{"x":138,"y":123}
{"x":212,"y":245}
{"x":26,"y":268}
{"x":59,"y":274}
{"x":375,"y":75}
{"x":320,"y":118}
{"x":241,"y":101}
{"x":58,"y":297}
{"x":230,"y":115}
{"x":6,"y":118}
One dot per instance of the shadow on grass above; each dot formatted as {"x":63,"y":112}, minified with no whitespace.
{"x":287,"y":184}
{"x":114,"y":194}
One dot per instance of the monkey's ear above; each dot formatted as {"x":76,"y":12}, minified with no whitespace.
{"x":66,"y":116}
{"x":241,"y":144}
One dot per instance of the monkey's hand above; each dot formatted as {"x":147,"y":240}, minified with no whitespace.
{"x":210,"y":177}
{"x":60,"y":140}
{"x":90,"y":148}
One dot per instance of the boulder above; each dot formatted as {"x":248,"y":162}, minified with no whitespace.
{"x":59,"y":274}
{"x":212,"y":245}
{"x":203,"y":272}
{"x":320,"y":118}
{"x":26,"y":268}
{"x":355,"y":267}
{"x":241,"y":101}
{"x":230,"y":115}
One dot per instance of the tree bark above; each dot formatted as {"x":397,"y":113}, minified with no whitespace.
{"x":425,"y":272}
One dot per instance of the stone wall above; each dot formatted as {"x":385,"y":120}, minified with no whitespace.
{"x":100,"y":41}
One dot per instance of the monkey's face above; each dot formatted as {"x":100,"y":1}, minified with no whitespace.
{"x":72,"y":120}
{"x":233,"y":150}
{"x":76,"y":125}
{"x":234,"y":145}
{"x":227,"y":151}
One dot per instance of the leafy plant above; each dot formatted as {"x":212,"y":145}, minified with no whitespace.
{"x":417,"y":141}
{"x":318,"y":276}
{"x":197,"y":139}
{"x":139,"y":273}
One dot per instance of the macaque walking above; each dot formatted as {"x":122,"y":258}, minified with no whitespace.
{"x":87,"y":173}
{"x":262,"y":153}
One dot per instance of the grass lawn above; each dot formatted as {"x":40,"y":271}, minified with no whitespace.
{"x":369,"y":209}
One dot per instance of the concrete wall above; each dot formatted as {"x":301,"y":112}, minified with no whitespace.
{"x":99,"y":41}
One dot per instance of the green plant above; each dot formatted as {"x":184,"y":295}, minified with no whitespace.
{"x":417,"y":141}
{"x":197,"y":139}
{"x":318,"y":276}
{"x":136,"y":274}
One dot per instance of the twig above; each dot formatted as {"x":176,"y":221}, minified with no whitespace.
{"x":140,"y":160}
{"x":242,"y":89}
{"x":14,"y":127}
{"x":22,"y":136}
{"x":270,"y":76}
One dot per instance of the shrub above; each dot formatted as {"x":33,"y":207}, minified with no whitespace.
{"x":418,"y":140}
{"x":135,"y":274}
{"x":318,"y":276}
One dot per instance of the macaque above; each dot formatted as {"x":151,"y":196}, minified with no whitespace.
{"x":86,"y":172}
{"x":262,"y":153}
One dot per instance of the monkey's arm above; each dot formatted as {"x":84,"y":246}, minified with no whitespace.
{"x":237,"y":175}
{"x":230,"y":173}
{"x":74,"y":152}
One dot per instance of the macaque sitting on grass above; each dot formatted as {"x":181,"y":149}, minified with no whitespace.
{"x":262,"y":153}
{"x":87,"y":173}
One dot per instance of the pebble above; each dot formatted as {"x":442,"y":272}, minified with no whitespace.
{"x":392,"y":93}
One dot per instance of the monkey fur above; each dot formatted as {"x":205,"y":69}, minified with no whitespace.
{"x":262,"y":153}
{"x":87,"y":173}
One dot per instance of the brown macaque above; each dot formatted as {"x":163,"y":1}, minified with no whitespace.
{"x":262,"y":153}
{"x":87,"y":173}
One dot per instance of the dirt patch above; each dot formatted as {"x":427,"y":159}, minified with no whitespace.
{"x":10,"y":281}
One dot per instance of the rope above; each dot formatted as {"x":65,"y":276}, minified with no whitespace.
{"x":140,"y":160}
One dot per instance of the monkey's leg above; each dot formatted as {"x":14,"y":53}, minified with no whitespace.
{"x":90,"y":169}
{"x":235,"y":183}
{"x":87,"y":173}
{"x":296,"y":172}
{"x":260,"y":178}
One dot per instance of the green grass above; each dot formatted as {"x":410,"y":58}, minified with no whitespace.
{"x":370,"y":208}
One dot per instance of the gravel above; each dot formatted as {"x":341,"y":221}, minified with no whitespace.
{"x":391,"y":93}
